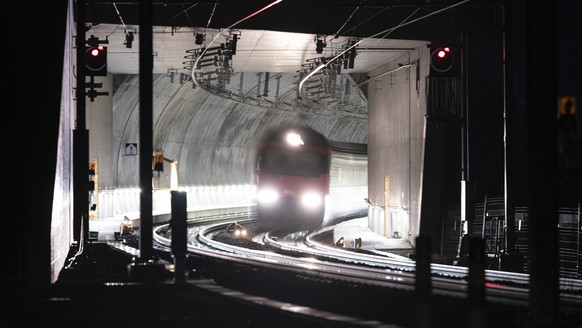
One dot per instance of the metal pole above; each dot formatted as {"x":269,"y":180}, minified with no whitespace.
{"x":541,"y":91}
{"x":465,"y":108}
{"x":80,"y":140}
{"x":145,"y":128}
{"x":178,"y":224}
{"x":578,"y":268}
{"x":477,"y":317}
{"x":467,"y":186}
{"x":509,"y":245}
{"x":423,"y":283}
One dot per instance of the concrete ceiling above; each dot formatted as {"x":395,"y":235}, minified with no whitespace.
{"x":257,"y":50}
{"x":275,"y":36}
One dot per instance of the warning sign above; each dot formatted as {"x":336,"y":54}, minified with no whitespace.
{"x":131,"y":149}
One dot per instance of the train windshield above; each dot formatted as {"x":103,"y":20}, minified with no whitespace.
{"x":292,"y":163}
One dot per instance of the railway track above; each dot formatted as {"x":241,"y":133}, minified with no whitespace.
{"x":303,"y":256}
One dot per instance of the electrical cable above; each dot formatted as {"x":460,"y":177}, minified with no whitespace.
{"x":317,"y":69}
{"x":349,"y":18}
{"x":120,"y":18}
{"x":403,"y":21}
{"x":211,"y":14}
{"x":401,"y":66}
{"x":195,"y":63}
{"x":390,"y":71}
{"x":369,"y":18}
{"x":185,"y":12}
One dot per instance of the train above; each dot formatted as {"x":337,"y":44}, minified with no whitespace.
{"x":292,"y":178}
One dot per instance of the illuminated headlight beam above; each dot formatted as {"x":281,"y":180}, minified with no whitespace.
{"x":267,"y":196}
{"x":294,"y":139}
{"x":311,"y":199}
{"x":239,"y":233}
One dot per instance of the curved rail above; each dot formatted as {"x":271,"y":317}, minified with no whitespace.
{"x":385,"y":272}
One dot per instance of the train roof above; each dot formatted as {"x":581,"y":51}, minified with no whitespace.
{"x":309,"y":136}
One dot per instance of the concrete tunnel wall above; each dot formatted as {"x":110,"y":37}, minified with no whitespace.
{"x":396,"y":145}
{"x":213,"y":138}
{"x":190,"y":125}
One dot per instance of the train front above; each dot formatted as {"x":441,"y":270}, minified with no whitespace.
{"x":293,"y":179}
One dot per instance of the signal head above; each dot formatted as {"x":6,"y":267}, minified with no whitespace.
{"x":442,"y":60}
{"x":96,"y":60}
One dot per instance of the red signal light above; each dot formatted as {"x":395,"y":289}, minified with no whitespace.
{"x":443,"y":52}
{"x":96,"y":60}
{"x":441,"y":61}
{"x":96,"y":51}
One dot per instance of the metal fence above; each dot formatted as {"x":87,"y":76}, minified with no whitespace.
{"x":489,"y":224}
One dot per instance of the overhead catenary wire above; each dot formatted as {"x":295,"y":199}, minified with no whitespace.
{"x":320,"y":67}
{"x":390,"y":71}
{"x":228,"y":28}
{"x":120,"y":18}
{"x":349,"y":18}
{"x":403,"y":21}
{"x":367,"y":19}
{"x":255,"y":13}
{"x":211,"y":14}
{"x":400,"y":65}
{"x":185,"y":12}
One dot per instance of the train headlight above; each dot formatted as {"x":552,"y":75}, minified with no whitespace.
{"x":294,"y":139}
{"x":267,"y":196}
{"x":236,"y":229}
{"x":311,"y":199}
{"x":240,"y":232}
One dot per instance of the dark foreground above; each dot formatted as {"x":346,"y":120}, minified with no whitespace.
{"x":96,"y":292}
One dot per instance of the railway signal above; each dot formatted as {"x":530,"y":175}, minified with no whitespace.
{"x":443,"y":61}
{"x":446,"y":82}
{"x":95,"y":65}
{"x":96,"y":56}
{"x":96,"y":60}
